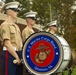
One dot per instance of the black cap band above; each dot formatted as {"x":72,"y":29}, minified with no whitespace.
{"x":15,"y":9}
{"x":33,"y":18}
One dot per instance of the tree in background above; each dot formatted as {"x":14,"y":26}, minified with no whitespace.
{"x":64,"y":12}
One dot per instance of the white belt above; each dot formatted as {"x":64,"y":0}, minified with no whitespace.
{"x":5,"y":49}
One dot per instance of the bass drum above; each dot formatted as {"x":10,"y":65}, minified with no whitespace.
{"x":66,"y":54}
{"x":45,"y":53}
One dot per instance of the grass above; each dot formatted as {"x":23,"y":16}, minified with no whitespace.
{"x":67,"y":72}
{"x":74,"y":71}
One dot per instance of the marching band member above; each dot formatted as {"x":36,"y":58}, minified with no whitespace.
{"x":30,"y":19}
{"x":53,"y":27}
{"x":12,"y":41}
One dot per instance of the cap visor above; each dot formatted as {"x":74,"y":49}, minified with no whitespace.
{"x":15,"y":9}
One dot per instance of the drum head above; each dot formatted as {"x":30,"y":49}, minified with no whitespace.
{"x":42,"y":53}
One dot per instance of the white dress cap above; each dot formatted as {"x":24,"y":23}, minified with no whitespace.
{"x":53,"y":23}
{"x":11,"y":5}
{"x":30,"y":14}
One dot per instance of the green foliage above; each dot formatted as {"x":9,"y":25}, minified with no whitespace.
{"x":24,"y":7}
{"x":74,"y":71}
{"x":42,"y":7}
{"x":74,"y":18}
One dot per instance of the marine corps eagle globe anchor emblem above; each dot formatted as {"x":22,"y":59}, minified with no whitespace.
{"x":41,"y":57}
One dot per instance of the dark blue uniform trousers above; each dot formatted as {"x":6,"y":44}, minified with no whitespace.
{"x":8,"y":67}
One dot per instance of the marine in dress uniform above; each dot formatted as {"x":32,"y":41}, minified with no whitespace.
{"x":53,"y":27}
{"x":11,"y":41}
{"x":30,"y":19}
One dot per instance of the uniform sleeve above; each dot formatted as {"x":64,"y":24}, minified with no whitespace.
{"x":25,"y":34}
{"x":5,"y":32}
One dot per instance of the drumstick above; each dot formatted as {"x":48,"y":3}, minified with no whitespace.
{"x":15,"y":61}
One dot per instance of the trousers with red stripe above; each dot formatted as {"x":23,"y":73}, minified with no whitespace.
{"x":8,"y":67}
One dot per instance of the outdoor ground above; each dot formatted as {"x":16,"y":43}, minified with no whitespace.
{"x":67,"y":73}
